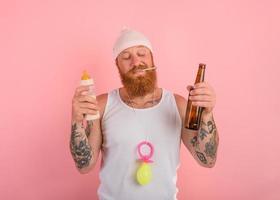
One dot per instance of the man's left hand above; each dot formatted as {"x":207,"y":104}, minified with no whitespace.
{"x":202,"y":95}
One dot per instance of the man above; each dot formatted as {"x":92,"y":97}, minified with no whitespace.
{"x":140,"y":113}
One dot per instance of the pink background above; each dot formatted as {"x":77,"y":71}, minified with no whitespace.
{"x":45,"y":45}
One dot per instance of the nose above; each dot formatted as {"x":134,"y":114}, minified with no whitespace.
{"x":135,"y":61}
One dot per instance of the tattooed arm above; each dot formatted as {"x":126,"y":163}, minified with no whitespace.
{"x":79,"y":145}
{"x":85,"y":141}
{"x":202,"y":144}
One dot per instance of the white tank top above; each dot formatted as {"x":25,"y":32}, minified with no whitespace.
{"x":123,"y":129}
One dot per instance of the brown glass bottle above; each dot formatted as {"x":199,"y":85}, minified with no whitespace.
{"x":193,"y":113}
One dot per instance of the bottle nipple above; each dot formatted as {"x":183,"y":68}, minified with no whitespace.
{"x":85,"y":75}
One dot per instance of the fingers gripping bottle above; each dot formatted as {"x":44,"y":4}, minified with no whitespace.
{"x":87,"y":81}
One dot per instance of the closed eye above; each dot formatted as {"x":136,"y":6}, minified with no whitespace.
{"x":141,"y":54}
{"x":126,"y":56}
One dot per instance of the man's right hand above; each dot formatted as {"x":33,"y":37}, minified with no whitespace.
{"x":83,"y":104}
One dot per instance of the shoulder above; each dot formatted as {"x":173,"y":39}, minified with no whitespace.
{"x":180,"y":100}
{"x":181,"y":103}
{"x":102,"y":100}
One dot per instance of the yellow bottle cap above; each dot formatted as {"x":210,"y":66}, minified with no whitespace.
{"x":85,"y":75}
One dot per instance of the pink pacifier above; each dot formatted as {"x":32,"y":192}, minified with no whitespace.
{"x":144,"y":172}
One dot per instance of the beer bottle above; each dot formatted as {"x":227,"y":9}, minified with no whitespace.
{"x":193,"y":113}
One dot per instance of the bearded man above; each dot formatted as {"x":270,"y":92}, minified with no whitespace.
{"x":140,"y":129}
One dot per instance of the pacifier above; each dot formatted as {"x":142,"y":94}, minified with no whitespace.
{"x":144,"y":172}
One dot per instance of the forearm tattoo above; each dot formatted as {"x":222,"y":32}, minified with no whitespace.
{"x":89,"y":127}
{"x":207,"y":135}
{"x":201,"y":157}
{"x":80,"y":148}
{"x":211,"y":126}
{"x":211,"y":148}
{"x":202,"y":133}
{"x":194,"y":141}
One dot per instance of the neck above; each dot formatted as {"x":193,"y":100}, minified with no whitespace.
{"x":150,"y":99}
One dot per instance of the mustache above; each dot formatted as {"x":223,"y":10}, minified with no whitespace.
{"x":138,"y":67}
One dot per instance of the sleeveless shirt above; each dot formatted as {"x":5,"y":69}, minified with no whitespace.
{"x":123,"y":128}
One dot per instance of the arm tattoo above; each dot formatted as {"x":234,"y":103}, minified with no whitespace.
{"x":201,"y":157}
{"x":202,"y":133}
{"x":194,"y":141}
{"x":211,"y":148}
{"x":211,"y":126}
{"x":203,"y":123}
{"x":89,"y":127}
{"x":80,"y":148}
{"x":208,"y":133}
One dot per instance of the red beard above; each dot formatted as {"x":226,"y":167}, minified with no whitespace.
{"x":141,"y":85}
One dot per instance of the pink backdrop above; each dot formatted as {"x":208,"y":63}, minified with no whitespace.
{"x":45,"y":45}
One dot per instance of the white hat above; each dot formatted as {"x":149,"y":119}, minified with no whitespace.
{"x":129,"y":38}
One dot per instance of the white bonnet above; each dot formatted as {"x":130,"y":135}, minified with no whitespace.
{"x":129,"y":38}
